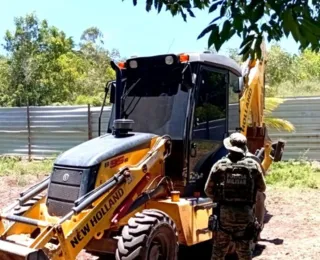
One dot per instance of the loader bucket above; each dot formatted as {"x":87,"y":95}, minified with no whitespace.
{"x":11,"y":251}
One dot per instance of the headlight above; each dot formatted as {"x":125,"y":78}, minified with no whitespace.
{"x":169,"y":60}
{"x":133,"y":64}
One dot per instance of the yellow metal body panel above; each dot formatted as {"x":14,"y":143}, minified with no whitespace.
{"x":20,"y":228}
{"x":252,"y":101}
{"x":187,"y":218}
{"x":75,"y":233}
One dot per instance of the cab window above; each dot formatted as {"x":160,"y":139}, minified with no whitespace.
{"x":233,"y":103}
{"x":211,"y":106}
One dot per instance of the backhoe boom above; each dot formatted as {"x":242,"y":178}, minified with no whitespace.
{"x":252,"y":104}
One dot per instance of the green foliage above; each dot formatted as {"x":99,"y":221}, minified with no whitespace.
{"x":4,"y":78}
{"x":96,"y":100}
{"x":290,"y":75}
{"x":233,"y":54}
{"x":44,"y":67}
{"x":92,"y":34}
{"x":251,"y":20}
{"x":280,"y":65}
{"x":302,"y":89}
{"x":294,"y":173}
{"x":22,"y":171}
{"x":287,"y":74}
{"x":208,"y":112}
{"x":33,"y":48}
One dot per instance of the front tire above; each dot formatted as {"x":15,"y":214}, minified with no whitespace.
{"x":149,"y":235}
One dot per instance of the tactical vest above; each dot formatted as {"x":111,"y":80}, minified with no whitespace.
{"x":234,"y":182}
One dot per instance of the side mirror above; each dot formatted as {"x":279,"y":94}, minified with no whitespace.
{"x":237,"y":88}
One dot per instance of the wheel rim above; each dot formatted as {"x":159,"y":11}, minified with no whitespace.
{"x":159,"y":247}
{"x":155,"y":251}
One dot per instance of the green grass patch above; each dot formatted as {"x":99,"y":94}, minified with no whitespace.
{"x":289,"y":89}
{"x":290,"y":174}
{"x":302,"y":174}
{"x":15,"y":166}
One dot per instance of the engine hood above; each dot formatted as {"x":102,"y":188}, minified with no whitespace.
{"x":101,"y":148}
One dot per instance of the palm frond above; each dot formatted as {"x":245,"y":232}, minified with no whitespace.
{"x":271,"y":104}
{"x":279,"y":124}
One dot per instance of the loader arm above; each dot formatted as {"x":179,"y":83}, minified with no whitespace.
{"x":252,"y":104}
{"x":99,"y":211}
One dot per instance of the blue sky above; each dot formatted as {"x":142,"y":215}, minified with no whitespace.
{"x":129,"y":29}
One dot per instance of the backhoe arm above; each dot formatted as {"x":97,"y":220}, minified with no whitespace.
{"x":252,"y":104}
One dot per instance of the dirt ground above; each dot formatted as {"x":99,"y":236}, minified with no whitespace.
{"x":291,"y":230}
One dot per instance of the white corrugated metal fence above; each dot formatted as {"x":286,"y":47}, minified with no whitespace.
{"x":304,"y":114}
{"x":54,"y":129}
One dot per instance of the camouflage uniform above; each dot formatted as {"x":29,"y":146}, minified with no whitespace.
{"x":233,"y":218}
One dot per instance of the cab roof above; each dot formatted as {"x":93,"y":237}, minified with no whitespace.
{"x":216,"y":60}
{"x":210,"y":59}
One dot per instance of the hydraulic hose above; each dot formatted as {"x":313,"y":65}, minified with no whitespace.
{"x":35,"y":191}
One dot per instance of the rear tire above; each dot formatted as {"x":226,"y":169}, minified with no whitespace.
{"x":149,"y":235}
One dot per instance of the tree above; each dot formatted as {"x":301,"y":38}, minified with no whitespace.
{"x":34,"y":49}
{"x":251,"y":20}
{"x":308,"y":65}
{"x":4,"y":80}
{"x":43,"y":66}
{"x":92,"y":34}
{"x":233,"y":54}
{"x":279,"y":65}
{"x":292,"y":74}
{"x":98,"y":70}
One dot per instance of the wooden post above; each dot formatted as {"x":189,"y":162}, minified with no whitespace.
{"x":89,"y":123}
{"x":29,"y":132}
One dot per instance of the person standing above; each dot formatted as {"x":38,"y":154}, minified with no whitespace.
{"x":233,"y":183}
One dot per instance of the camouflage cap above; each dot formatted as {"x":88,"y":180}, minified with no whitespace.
{"x":236,"y":142}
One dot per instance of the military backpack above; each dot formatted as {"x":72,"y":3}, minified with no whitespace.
{"x":234,"y":182}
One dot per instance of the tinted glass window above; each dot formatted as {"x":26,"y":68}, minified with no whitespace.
{"x":210,"y":110}
{"x":233,"y":114}
{"x":156,"y":100}
{"x":164,"y":114}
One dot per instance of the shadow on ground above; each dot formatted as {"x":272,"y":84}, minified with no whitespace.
{"x":200,"y":251}
{"x":267,"y":217}
{"x":203,"y":251}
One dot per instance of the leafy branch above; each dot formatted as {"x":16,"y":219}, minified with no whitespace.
{"x":251,"y":20}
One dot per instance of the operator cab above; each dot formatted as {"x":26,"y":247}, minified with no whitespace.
{"x":192,"y":97}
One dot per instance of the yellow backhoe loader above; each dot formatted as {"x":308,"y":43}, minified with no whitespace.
{"x":137,"y":191}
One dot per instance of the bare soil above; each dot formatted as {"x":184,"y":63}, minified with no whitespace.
{"x":291,"y":229}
